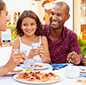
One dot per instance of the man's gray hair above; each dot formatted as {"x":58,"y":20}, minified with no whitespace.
{"x":62,"y":4}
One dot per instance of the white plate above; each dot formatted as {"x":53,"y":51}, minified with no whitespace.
{"x":56,"y":79}
{"x":15,"y":71}
{"x":18,"y":70}
{"x":41,"y":66}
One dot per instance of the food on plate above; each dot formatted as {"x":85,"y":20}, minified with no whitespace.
{"x":40,"y":66}
{"x":36,"y":65}
{"x":37,"y":76}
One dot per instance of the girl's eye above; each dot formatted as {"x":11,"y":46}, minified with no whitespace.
{"x":24,"y":24}
{"x":32,"y":23}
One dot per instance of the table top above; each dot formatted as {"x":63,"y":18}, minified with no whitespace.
{"x":6,"y":80}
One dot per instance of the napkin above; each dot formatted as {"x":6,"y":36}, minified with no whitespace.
{"x":5,"y":54}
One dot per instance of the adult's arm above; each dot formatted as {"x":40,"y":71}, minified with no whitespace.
{"x":74,"y":54}
{"x":8,"y":67}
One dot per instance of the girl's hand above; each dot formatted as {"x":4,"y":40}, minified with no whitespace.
{"x":18,"y":57}
{"x":74,"y":58}
{"x":33,"y":52}
{"x":44,"y":54}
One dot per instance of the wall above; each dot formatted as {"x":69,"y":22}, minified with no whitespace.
{"x":27,"y":4}
{"x":77,"y":15}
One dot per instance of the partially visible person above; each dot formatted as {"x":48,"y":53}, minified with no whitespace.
{"x":15,"y":58}
{"x":63,"y":43}
{"x":30,"y":41}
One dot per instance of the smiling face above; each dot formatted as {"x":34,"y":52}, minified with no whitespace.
{"x":29,"y":26}
{"x":58,"y":17}
{"x":3,"y":19}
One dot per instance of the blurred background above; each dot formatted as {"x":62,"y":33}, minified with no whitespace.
{"x":76,"y":22}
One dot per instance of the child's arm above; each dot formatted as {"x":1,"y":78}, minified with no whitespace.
{"x":44,"y":51}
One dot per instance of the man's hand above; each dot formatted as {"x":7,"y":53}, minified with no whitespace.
{"x":74,"y":58}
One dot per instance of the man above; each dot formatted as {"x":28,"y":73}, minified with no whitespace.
{"x":63,"y":44}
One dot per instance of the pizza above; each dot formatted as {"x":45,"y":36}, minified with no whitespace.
{"x":37,"y":77}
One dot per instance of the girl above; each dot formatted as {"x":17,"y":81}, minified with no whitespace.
{"x":30,"y":41}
